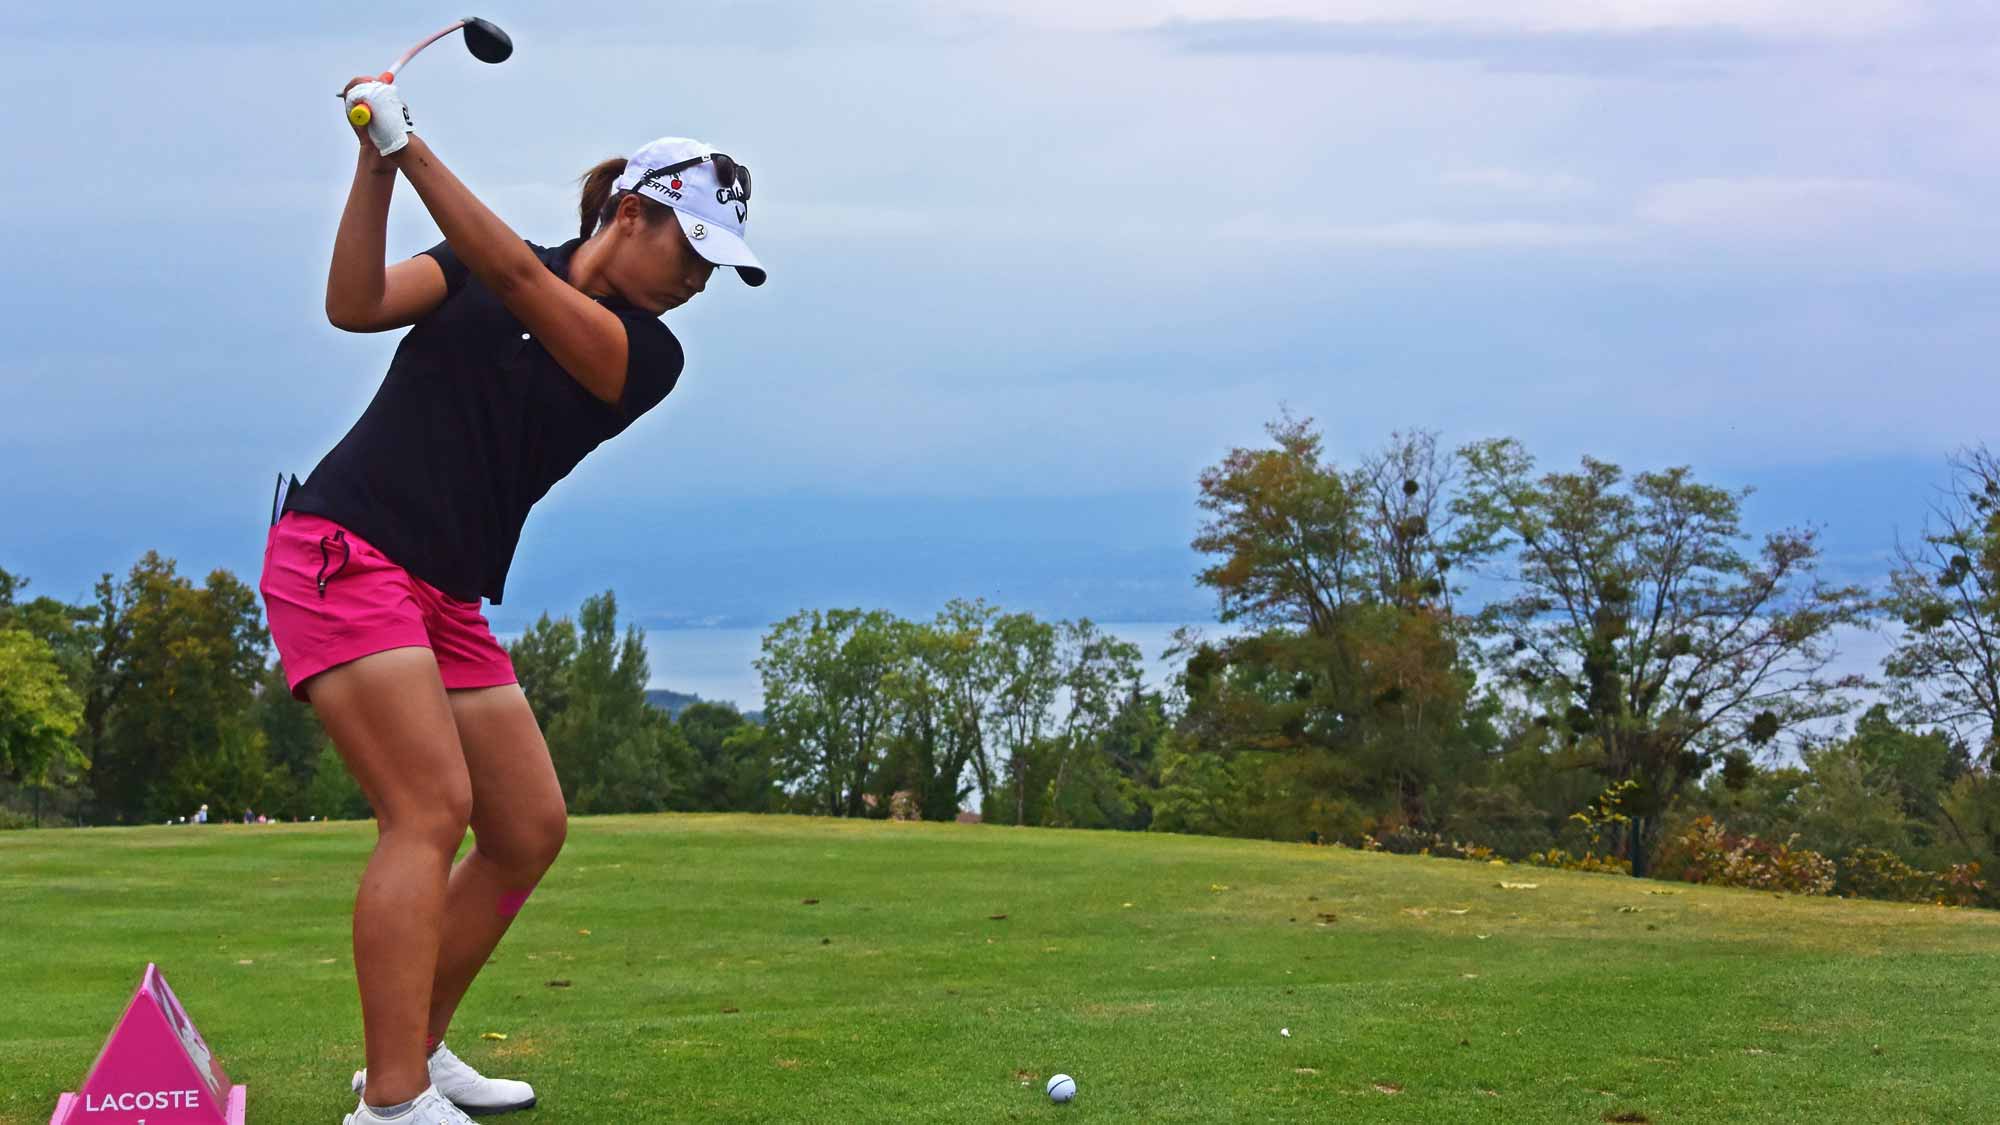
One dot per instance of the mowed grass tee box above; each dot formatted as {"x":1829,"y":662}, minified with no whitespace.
{"x":773,"y":969}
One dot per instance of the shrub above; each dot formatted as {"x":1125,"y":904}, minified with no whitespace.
{"x":1404,"y":840}
{"x":1960,"y":885}
{"x":1499,"y":816}
{"x":1706,"y":853}
{"x":1597,"y":832}
{"x":1875,"y":873}
{"x":1588,"y":861}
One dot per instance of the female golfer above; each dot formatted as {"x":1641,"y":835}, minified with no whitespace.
{"x":520,"y":360}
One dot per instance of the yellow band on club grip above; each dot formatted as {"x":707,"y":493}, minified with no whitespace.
{"x":359,"y":115}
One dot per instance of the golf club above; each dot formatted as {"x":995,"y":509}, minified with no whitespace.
{"x":482,"y":37}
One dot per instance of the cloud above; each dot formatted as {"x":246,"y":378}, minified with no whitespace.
{"x":1335,"y":204}
{"x":1417,"y":234}
{"x":1603,"y":38}
{"x":1872,"y":224}
{"x":1677,"y":52}
{"x":1779,"y":209}
{"x":767,"y":25}
{"x":1518,"y":183}
{"x":837,"y":220}
{"x":1808,"y":17}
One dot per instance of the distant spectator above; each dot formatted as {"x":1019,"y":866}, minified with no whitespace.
{"x":201,"y":815}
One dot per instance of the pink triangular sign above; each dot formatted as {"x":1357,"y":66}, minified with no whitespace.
{"x":155,"y":1069}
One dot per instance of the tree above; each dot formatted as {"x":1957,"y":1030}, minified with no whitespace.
{"x":1918,"y":767}
{"x":613,"y":752}
{"x":755,"y":785}
{"x":542,"y":658}
{"x":1407,"y":489}
{"x":39,"y":714}
{"x":68,"y":634}
{"x":733,"y":770}
{"x":1500,"y":817}
{"x":1343,"y":708}
{"x":824,"y":701}
{"x":914,"y":758}
{"x":1129,"y":752}
{"x":1027,"y":681}
{"x":1288,"y":531}
{"x":942,"y":690}
{"x":1639,"y":628}
{"x":172,"y":680}
{"x":1848,"y":803}
{"x":231,"y":774}
{"x":1879,"y":786}
{"x":1100,"y":678}
{"x":294,"y":746}
{"x":1295,"y":720}
{"x":1209,"y":794}
{"x":68,"y":630}
{"x":1945,"y":592}
{"x":333,"y":793}
{"x":1752,"y":799}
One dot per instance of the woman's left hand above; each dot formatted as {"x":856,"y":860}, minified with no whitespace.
{"x":389,"y":123}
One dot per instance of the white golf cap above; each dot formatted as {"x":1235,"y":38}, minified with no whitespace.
{"x":713,"y":204}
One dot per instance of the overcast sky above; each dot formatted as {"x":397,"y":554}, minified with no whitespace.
{"x":1033,"y":265}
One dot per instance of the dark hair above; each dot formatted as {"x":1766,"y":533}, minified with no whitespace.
{"x":600,"y":204}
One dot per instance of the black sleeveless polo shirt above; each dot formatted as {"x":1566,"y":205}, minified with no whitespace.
{"x":474,"y":423}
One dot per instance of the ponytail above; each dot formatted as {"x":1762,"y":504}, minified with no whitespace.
{"x":597,"y":194}
{"x":599,"y":204}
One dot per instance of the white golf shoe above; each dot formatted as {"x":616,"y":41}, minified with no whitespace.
{"x":431,"y":1108}
{"x":467,"y":1089}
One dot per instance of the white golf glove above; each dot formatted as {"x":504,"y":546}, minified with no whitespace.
{"x":389,"y":126}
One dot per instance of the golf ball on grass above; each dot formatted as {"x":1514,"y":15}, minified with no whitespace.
{"x":1062,"y":1088}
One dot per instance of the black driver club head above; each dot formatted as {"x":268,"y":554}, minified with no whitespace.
{"x":486,"y":41}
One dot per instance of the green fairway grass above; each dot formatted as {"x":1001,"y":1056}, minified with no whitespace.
{"x":671,"y":969}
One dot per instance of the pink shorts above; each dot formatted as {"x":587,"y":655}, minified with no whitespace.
{"x":332,"y":598}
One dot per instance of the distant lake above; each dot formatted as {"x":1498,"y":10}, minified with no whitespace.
{"x":717,"y":663}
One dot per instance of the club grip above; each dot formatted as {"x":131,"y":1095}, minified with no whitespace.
{"x":360,"y":115}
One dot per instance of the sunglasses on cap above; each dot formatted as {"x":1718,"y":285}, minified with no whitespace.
{"x":732,"y":176}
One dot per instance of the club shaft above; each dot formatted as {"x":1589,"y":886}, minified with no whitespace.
{"x":397,"y":66}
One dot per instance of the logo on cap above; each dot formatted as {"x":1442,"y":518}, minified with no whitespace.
{"x":700,"y":231}
{"x":734,"y":194}
{"x":671,"y":189}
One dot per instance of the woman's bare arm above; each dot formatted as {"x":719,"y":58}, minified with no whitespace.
{"x":362,"y":294}
{"x":587,"y":339}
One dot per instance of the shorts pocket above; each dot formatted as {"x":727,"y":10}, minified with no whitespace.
{"x":335,"y":552}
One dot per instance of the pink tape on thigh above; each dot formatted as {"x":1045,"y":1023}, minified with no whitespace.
{"x":512,"y":901}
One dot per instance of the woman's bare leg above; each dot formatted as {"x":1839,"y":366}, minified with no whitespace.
{"x":518,"y":825}
{"x":392,"y":723}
